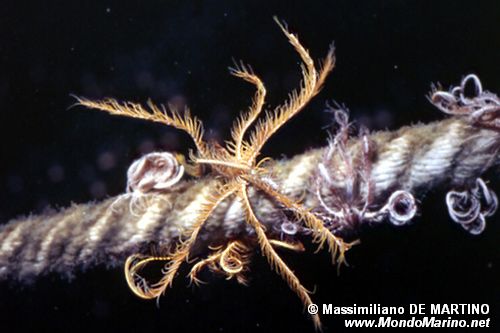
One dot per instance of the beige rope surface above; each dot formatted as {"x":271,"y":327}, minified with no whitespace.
{"x":452,"y":153}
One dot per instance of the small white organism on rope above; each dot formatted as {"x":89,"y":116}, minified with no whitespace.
{"x":470,"y":208}
{"x":153,"y":172}
{"x":482,"y":108}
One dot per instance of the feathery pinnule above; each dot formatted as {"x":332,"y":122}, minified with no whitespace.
{"x":310,"y":87}
{"x":238,"y":146}
{"x":165,"y":115}
{"x":274,"y":259}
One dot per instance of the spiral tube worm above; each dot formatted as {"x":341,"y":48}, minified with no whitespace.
{"x":370,"y":178}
